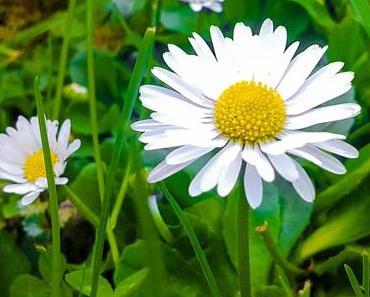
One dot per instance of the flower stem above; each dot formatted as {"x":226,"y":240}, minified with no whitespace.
{"x":92,"y":95}
{"x":140,"y":68}
{"x":199,"y":253}
{"x":279,"y":260}
{"x":243,"y":245}
{"x":365,"y":273}
{"x":53,"y":197}
{"x":68,"y":27}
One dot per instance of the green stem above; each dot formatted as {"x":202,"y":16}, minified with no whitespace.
{"x":279,"y":260}
{"x":53,"y":198}
{"x":68,"y":27}
{"x":81,"y":206}
{"x":365,"y":273}
{"x":243,"y":245}
{"x":92,"y":95}
{"x":133,"y":88}
{"x":121,"y":195}
{"x":199,"y":253}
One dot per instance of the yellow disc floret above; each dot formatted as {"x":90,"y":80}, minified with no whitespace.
{"x":250,"y":113}
{"x":34,"y":166}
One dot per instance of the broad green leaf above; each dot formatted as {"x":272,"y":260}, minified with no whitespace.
{"x":27,"y":285}
{"x":45,"y":264}
{"x":347,"y":32}
{"x":318,"y":12}
{"x":80,"y":280}
{"x":362,"y":11}
{"x":295,"y":216}
{"x":269,"y":211}
{"x":130,"y":284}
{"x":358,"y":169}
{"x":86,"y":187}
{"x":12,"y":262}
{"x":348,"y":222}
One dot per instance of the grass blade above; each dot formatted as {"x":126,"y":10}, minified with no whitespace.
{"x":68,"y":27}
{"x":199,"y":253}
{"x":362,"y":10}
{"x":140,"y":69}
{"x":353,"y":280}
{"x":53,"y":198}
{"x":365,"y":273}
{"x":92,"y":95}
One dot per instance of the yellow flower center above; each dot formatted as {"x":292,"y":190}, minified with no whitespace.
{"x":34,"y":166}
{"x":250,"y":113}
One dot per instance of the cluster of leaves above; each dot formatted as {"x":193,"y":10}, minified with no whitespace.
{"x":156,"y":258}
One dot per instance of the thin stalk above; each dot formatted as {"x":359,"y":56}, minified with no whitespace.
{"x":53,"y":197}
{"x":199,"y":253}
{"x":243,"y":245}
{"x":133,"y":88}
{"x":365,"y":273}
{"x":68,"y":27}
{"x":279,"y":260}
{"x":81,"y":206}
{"x":121,"y":195}
{"x":92,"y":95}
{"x":353,"y":280}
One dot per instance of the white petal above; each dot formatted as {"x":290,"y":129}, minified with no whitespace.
{"x":216,"y":7}
{"x":11,"y":177}
{"x":175,"y":82}
{"x":299,"y":69}
{"x":207,"y":178}
{"x":229,"y":176}
{"x":297,"y":139}
{"x":319,"y":90}
{"x":163,"y":170}
{"x":61,"y":180}
{"x":196,"y":6}
{"x":186,"y":153}
{"x":303,"y":185}
{"x":64,"y":134}
{"x":73,"y":146}
{"x":254,"y":156}
{"x":20,"y":188}
{"x":323,"y":115}
{"x":219,"y":47}
{"x":201,"y":48}
{"x":338,"y":147}
{"x":253,"y":186}
{"x":30,"y":197}
{"x":147,"y":125}
{"x":320,"y":158}
{"x":285,"y":166}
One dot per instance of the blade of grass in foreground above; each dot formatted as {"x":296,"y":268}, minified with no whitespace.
{"x":199,"y":253}
{"x":140,"y":69}
{"x":362,"y":10}
{"x":53,"y":198}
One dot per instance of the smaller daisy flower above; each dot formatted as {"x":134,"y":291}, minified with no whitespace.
{"x":198,"y":5}
{"x":22,"y":158}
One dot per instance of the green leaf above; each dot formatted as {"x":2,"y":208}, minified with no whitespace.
{"x":45,"y":264}
{"x":348,"y":222}
{"x":80,"y":280}
{"x":269,"y":211}
{"x":27,"y":285}
{"x":318,"y":13}
{"x":86,"y":187}
{"x":13,"y":259}
{"x":130,"y":284}
{"x":270,"y":291}
{"x":353,"y":280}
{"x":347,"y":32}
{"x":362,"y":11}
{"x":358,"y":170}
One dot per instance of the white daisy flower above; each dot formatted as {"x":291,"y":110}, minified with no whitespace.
{"x":198,"y":5}
{"x":250,"y":100}
{"x":22,"y":158}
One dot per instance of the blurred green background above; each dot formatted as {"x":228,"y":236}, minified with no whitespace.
{"x":47,"y":38}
